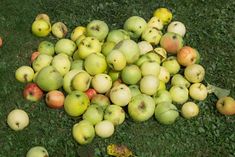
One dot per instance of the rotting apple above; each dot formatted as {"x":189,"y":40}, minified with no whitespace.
{"x":59,"y":30}
{"x":24,"y":74}
{"x":32,"y":92}
{"x":155,"y":22}
{"x":77,"y":32}
{"x":161,"y":52}
{"x":144,"y":47}
{"x":43,"y":16}
{"x":17,"y":119}
{"x":55,"y":99}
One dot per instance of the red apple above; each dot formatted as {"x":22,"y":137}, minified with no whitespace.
{"x":0,"y":41}
{"x":90,"y":93}
{"x":32,"y":92}
{"x":226,"y":105}
{"x":34,"y":55}
{"x":55,"y":99}
{"x":187,"y":56}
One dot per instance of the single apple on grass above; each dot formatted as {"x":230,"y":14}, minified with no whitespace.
{"x":17,"y":119}
{"x":34,"y":55}
{"x":198,"y":91}
{"x":163,"y":14}
{"x":100,"y":100}
{"x":24,"y":74}
{"x":155,"y":22}
{"x":46,"y":47}
{"x":32,"y":92}
{"x":117,"y":35}
{"x":55,"y":99}
{"x":101,"y":83}
{"x":41,"y":61}
{"x":93,"y":114}
{"x":149,"y":84}
{"x":162,"y":96}
{"x":90,"y":93}
{"x":144,"y":47}
{"x":152,"y":35}
{"x":194,"y":73}
{"x":178,"y":79}
{"x":114,"y":114}
{"x":81,"y":81}
{"x":77,"y":32}
{"x":62,"y":63}
{"x":116,"y":60}
{"x":43,"y":16}
{"x":66,"y":46}
{"x":131,"y":74}
{"x":226,"y":105}
{"x":98,"y":29}
{"x":171,"y":64}
{"x":59,"y":30}
{"x":141,"y":107}
{"x":104,"y":129}
{"x":189,"y":110}
{"x":177,"y":27}
{"x":179,"y":94}
{"x":95,"y":64}
{"x":41,"y":28}
{"x":187,"y":56}
{"x":37,"y":151}
{"x":83,"y":132}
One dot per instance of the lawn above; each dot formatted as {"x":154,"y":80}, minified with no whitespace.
{"x":210,"y":29}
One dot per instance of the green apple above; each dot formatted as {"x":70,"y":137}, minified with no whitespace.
{"x":135,"y":25}
{"x":101,"y":83}
{"x":194,"y":73}
{"x":107,"y":47}
{"x":76,"y":103}
{"x":114,"y":114}
{"x":62,"y":63}
{"x":155,"y":22}
{"x":117,"y":35}
{"x":150,"y":68}
{"x":79,"y":39}
{"x":41,"y":28}
{"x":144,"y":47}
{"x":67,"y":81}
{"x":177,"y":27}
{"x":120,"y":95}
{"x":43,"y":16}
{"x":83,"y":132}
{"x":100,"y":100}
{"x":149,"y":84}
{"x":189,"y":110}
{"x":135,"y":90}
{"x":116,"y":60}
{"x":226,"y":106}
{"x":17,"y":119}
{"x":130,"y":49}
{"x":166,"y":113}
{"x":77,"y":32}
{"x":95,"y":63}
{"x":178,"y":79}
{"x":24,"y":74}
{"x":162,"y":96}
{"x":131,"y":74}
{"x":65,"y":46}
{"x":198,"y":91}
{"x":152,"y":56}
{"x":46,"y":47}
{"x":37,"y":151}
{"x":104,"y":129}
{"x":151,"y":35}
{"x":49,"y":79}
{"x":81,"y":81}
{"x":179,"y":94}
{"x":164,"y":74}
{"x":114,"y":75}
{"x":98,"y":29}
{"x":172,"y":65}
{"x":41,"y":61}
{"x":59,"y":30}
{"x":88,"y":46}
{"x":77,"y":64}
{"x":93,"y":114}
{"x":141,"y":107}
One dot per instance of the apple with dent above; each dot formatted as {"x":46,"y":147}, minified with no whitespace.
{"x":135,"y":90}
{"x":131,"y":74}
{"x":48,"y":79}
{"x":43,"y":16}
{"x":76,"y":103}
{"x":164,"y":15}
{"x":135,"y":25}
{"x":194,"y":73}
{"x":166,"y":113}
{"x":117,"y":35}
{"x":177,"y":27}
{"x":98,"y":29}
{"x":101,"y":83}
{"x":164,"y":74}
{"x":59,"y":30}
{"x":55,"y":99}
{"x":95,"y":64}
{"x":46,"y":47}
{"x":171,"y":42}
{"x":34,"y":55}
{"x":144,"y":47}
{"x":116,"y":60}
{"x":114,"y":114}
{"x":41,"y":28}
{"x":41,"y":61}
{"x":198,"y":91}
{"x":189,"y":110}
{"x":226,"y":105}
{"x":81,"y":81}
{"x":65,"y":46}
{"x":17,"y":119}
{"x":77,"y":64}
{"x":149,"y":84}
{"x":141,"y":107}
{"x":187,"y":56}
{"x":77,"y":32}
{"x":32,"y":92}
{"x":107,"y":47}
{"x":155,"y":22}
{"x":90,"y":93}
{"x":162,"y":96}
{"x":62,"y":63}
{"x":120,"y":95}
{"x":161,"y":52}
{"x":93,"y":114}
{"x":179,"y":94}
{"x":104,"y":129}
{"x":83,"y":132}
{"x":171,"y":64}
{"x":130,"y":49}
{"x":100,"y":100}
{"x":37,"y":151}
{"x":150,"y":68}
{"x":178,"y":79}
{"x":67,"y":81}
{"x":88,"y":46}
{"x":24,"y":74}
{"x":152,"y":35}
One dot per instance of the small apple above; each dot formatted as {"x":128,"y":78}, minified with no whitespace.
{"x":77,"y":64}
{"x":164,"y":74}
{"x":76,"y":103}
{"x":59,"y":30}
{"x":166,"y":113}
{"x":163,"y":14}
{"x":32,"y":92}
{"x":98,"y":29}
{"x":226,"y":105}
{"x":144,"y":47}
{"x":114,"y":114}
{"x":189,"y":110}
{"x":81,"y":81}
{"x":141,"y":107}
{"x":116,"y":60}
{"x":101,"y":100}
{"x":34,"y":55}
{"x":90,"y":93}
{"x":94,"y":114}
{"x":46,"y":47}
{"x":83,"y":132}
{"x":149,"y":84}
{"x":134,"y":90}
{"x":117,"y":35}
{"x":41,"y":28}
{"x":43,"y":16}
{"x":95,"y":63}
{"x":152,"y":35}
{"x":155,"y":22}
{"x":77,"y":32}
{"x":171,"y":64}
{"x":177,"y":27}
{"x":17,"y":119}
{"x":198,"y":91}
{"x":24,"y":74}
{"x":55,"y":99}
{"x":194,"y":73}
{"x":131,"y":74}
{"x":37,"y":151}
{"x":62,"y":63}
{"x":104,"y":129}
{"x":179,"y":94}
{"x":65,"y":46}
{"x":161,"y":52}
{"x":178,"y":79}
{"x":187,"y":56}
{"x":41,"y":61}
{"x":162,"y":96}
{"x":107,"y":47}
{"x":150,"y":68}
{"x":101,"y":83}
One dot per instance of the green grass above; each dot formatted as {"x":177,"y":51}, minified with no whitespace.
{"x":210,"y":29}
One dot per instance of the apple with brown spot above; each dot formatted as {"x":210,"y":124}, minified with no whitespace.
{"x":55,"y":99}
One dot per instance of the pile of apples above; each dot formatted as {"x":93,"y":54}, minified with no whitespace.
{"x":102,"y":75}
